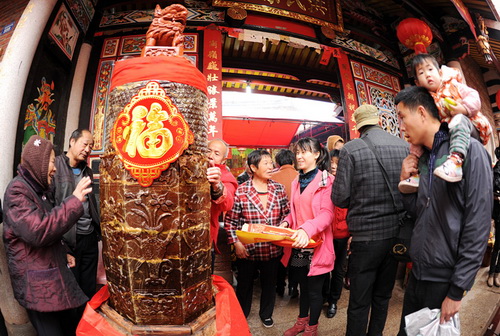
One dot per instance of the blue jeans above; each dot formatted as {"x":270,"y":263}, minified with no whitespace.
{"x":372,"y":271}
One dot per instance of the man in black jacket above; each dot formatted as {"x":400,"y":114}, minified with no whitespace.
{"x":83,"y":237}
{"x":452,"y":219}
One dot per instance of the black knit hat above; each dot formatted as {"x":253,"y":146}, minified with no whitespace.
{"x":35,"y":158}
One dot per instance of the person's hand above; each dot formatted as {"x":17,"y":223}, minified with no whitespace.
{"x":301,"y":239}
{"x":214,"y":176}
{"x":449,"y":308}
{"x":284,"y":224}
{"x":82,"y":188}
{"x":71,"y":260}
{"x":409,"y":167}
{"x":240,"y":250}
{"x":457,"y":109}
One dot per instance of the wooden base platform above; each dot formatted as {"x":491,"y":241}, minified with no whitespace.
{"x":202,"y":326}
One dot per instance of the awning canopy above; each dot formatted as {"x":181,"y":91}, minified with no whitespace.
{"x":267,"y":121}
{"x":261,"y":133}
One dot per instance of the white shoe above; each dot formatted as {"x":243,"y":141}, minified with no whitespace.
{"x":450,"y":170}
{"x":409,"y":185}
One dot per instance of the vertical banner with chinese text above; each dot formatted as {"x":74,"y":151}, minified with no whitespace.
{"x":349,"y":90}
{"x":212,"y":69}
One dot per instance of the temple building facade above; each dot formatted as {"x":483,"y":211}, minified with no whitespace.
{"x":57,"y":58}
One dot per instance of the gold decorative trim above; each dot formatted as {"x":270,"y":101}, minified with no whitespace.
{"x":259,"y":73}
{"x":322,"y":82}
{"x":264,"y":88}
{"x":282,"y":12}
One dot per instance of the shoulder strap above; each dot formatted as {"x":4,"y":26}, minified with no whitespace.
{"x":384,"y":172}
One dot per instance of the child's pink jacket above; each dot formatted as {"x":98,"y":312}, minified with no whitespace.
{"x":452,"y":87}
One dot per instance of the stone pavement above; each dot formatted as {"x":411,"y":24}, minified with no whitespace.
{"x":478,"y":308}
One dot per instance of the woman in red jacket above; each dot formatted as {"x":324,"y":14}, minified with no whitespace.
{"x":33,"y":228}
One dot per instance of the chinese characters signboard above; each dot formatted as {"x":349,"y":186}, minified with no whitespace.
{"x":212,"y":69}
{"x":349,"y":90}
{"x":320,"y":12}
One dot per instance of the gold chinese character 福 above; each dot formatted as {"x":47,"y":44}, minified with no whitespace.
{"x":150,"y":140}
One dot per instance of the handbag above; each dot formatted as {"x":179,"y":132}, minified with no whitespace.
{"x":401,"y":248}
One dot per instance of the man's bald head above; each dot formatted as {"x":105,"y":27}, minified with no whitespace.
{"x":217,"y":151}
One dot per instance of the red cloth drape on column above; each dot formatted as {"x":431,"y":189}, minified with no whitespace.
{"x":171,"y":68}
{"x":229,"y":316}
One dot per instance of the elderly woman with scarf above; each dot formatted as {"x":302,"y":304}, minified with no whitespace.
{"x":33,"y":228}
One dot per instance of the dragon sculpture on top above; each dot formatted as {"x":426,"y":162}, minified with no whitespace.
{"x":165,"y":34}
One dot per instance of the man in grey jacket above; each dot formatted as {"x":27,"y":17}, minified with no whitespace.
{"x":372,"y":219}
{"x":452,"y":219}
{"x":83,"y":237}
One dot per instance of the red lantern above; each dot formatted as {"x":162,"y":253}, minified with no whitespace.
{"x":414,"y":34}
{"x":498,"y":99}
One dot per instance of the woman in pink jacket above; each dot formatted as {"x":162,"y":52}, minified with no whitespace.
{"x":311,"y":214}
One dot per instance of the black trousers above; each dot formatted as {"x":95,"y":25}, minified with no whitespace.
{"x":61,"y":323}
{"x":372,"y":272}
{"x":338,"y":273}
{"x":495,"y":260}
{"x":85,"y":270}
{"x":311,"y":297}
{"x":244,"y":289}
{"x":3,"y":328}
{"x":421,"y":294}
{"x":281,"y":276}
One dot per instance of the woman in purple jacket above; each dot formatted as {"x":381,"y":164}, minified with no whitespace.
{"x":311,"y":214}
{"x":33,"y":228}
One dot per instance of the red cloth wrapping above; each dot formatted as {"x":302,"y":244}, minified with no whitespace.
{"x":229,"y":316}
{"x":230,"y":319}
{"x":93,"y":323}
{"x":170,"y":68}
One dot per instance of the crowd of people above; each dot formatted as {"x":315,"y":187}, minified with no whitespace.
{"x":343,"y":197}
{"x":352,"y":197}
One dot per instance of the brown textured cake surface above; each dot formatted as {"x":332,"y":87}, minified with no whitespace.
{"x":156,"y":242}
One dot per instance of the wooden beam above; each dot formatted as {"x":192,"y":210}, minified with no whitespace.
{"x":495,"y":8}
